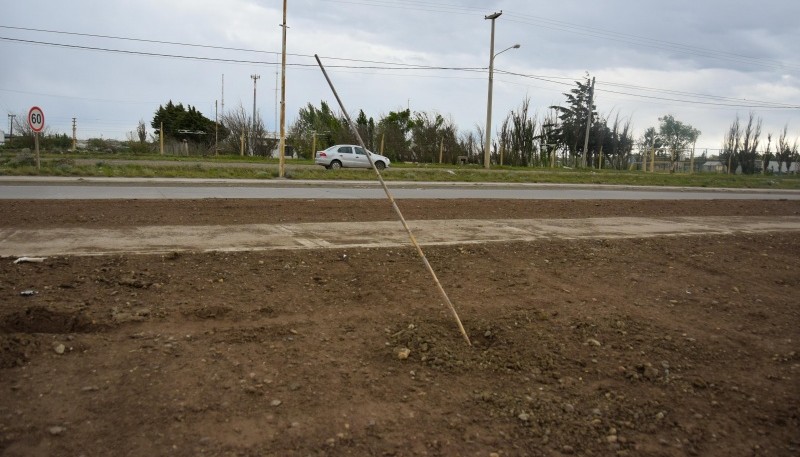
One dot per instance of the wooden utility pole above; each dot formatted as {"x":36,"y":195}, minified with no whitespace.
{"x":161,"y":138}
{"x":74,"y":139}
{"x":441,"y":150}
{"x":383,"y":137}
{"x":241,"y":145}
{"x":588,"y":125}
{"x":313,"y":144}
{"x":653,"y":159}
{"x":253,"y":132}
{"x":282,"y":144}
{"x":600,"y":166}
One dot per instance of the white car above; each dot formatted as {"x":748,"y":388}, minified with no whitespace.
{"x":349,"y":156}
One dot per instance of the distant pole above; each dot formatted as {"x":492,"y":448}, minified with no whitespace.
{"x":11,"y":125}
{"x":253,"y":132}
{"x":588,"y":125}
{"x":441,"y":149}
{"x":653,"y":159}
{"x":74,"y":138}
{"x":282,"y":146}
{"x":313,"y":144}
{"x":691,"y":159}
{"x":383,"y":137}
{"x":161,"y":138}
{"x":241,"y":144}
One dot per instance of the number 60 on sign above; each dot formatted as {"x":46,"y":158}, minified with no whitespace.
{"x":36,"y":119}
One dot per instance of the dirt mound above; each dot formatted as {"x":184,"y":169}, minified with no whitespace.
{"x":38,"y":319}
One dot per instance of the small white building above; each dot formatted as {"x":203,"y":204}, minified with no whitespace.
{"x":2,"y":137}
{"x":775,"y":168}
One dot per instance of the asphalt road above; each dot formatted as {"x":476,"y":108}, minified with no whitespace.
{"x":155,"y":188}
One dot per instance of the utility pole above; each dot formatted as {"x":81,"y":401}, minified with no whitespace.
{"x":282,"y":145}
{"x":488,"y":147}
{"x":161,"y":138}
{"x":253,"y":133}
{"x":588,"y":124}
{"x":74,"y":138}
{"x":11,"y":125}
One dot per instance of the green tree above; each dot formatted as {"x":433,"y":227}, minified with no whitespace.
{"x":676,"y":136}
{"x":320,"y":125}
{"x":571,"y":128}
{"x":395,"y":131}
{"x":429,"y":133}
{"x":182,"y":123}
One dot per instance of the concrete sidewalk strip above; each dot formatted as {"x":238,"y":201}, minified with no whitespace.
{"x":17,"y":242}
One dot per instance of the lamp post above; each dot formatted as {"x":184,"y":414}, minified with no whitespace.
{"x":492,"y":55}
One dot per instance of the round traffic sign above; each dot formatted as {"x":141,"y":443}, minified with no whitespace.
{"x":36,"y":119}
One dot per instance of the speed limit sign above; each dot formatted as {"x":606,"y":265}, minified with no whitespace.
{"x":36,"y":119}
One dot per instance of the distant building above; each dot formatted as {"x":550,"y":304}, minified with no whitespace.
{"x":2,"y":137}
{"x":713,"y":166}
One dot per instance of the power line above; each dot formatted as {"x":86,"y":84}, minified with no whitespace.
{"x":577,"y":29}
{"x":382,"y":65}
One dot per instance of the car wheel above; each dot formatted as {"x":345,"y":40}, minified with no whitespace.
{"x":336,"y":165}
{"x":380,"y":165}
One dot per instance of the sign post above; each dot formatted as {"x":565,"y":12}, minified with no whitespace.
{"x":36,"y":122}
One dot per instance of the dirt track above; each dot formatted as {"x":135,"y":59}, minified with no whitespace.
{"x":647,"y":346}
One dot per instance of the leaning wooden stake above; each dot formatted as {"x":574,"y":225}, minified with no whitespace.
{"x":396,"y":208}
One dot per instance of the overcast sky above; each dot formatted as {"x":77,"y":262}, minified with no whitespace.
{"x":702,"y":61}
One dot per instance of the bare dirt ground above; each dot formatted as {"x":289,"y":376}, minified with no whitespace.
{"x":665,"y":346}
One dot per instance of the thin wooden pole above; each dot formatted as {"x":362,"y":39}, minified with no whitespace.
{"x":36,"y":144}
{"x":397,"y":209}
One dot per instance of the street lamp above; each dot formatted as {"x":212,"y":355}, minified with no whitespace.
{"x":492,"y":55}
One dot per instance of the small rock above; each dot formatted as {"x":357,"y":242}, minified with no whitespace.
{"x":275,"y":402}
{"x":59,"y":348}
{"x":568,"y":408}
{"x":567,"y":449}
{"x":403,"y":353}
{"x":89,"y":389}
{"x":593,"y":342}
{"x":57,"y":430}
{"x":611,"y":439}
{"x":523,"y":417}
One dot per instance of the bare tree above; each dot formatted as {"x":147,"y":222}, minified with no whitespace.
{"x":731,"y":146}
{"x":749,"y":150}
{"x":240,"y":124}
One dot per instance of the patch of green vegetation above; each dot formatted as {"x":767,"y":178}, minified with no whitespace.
{"x":110,"y":165}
